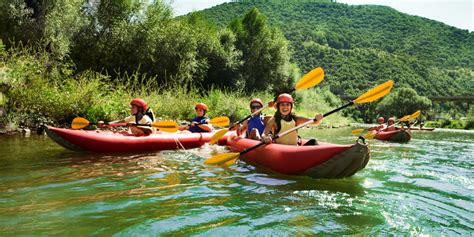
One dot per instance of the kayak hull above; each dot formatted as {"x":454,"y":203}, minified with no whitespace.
{"x":324,"y":160}
{"x":422,"y":129}
{"x":394,"y":136}
{"x":115,"y":142}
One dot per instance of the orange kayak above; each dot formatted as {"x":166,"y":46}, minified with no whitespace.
{"x":324,"y":160}
{"x":115,"y":142}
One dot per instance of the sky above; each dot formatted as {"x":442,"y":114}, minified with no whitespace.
{"x":458,"y":13}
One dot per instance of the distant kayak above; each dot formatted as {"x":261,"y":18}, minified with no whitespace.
{"x":422,"y":129}
{"x":398,"y":135}
{"x":325,"y":160}
{"x":115,"y":142}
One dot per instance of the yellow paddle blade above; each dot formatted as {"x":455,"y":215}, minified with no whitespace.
{"x":375,"y":93}
{"x":415,"y":115}
{"x":79,"y":123}
{"x":230,"y":162}
{"x":221,"y":159}
{"x":357,"y":131}
{"x":166,"y":126}
{"x":220,"y":121}
{"x":370,"y":135}
{"x":310,"y":79}
{"x":405,"y":118}
{"x":218,"y":135}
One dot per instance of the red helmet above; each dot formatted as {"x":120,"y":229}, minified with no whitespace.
{"x":256,"y":100}
{"x":201,"y":106}
{"x":284,"y":98}
{"x":381,"y":119}
{"x":140,"y":103}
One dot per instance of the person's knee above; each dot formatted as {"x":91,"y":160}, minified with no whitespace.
{"x":254,"y":134}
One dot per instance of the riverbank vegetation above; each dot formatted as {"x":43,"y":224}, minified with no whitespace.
{"x":62,"y":59}
{"x":40,"y":93}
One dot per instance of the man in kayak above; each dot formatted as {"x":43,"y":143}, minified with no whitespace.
{"x":141,"y":114}
{"x":381,"y":126}
{"x":200,"y":122}
{"x":284,"y":120}
{"x":254,"y":126}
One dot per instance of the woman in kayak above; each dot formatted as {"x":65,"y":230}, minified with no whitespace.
{"x":253,"y":127}
{"x":141,"y":114}
{"x":198,"y":123}
{"x":381,"y":126}
{"x":390,"y":125}
{"x":283,"y":120}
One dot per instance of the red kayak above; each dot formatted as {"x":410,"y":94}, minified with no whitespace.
{"x":398,"y":135}
{"x":113,"y":142}
{"x":324,"y":160}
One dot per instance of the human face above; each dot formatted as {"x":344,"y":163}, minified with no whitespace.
{"x":284,"y":108}
{"x":199,"y":112}
{"x":255,"y":107}
{"x":134,"y":109}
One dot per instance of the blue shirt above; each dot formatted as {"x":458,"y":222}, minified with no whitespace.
{"x":255,"y":122}
{"x":201,"y":120}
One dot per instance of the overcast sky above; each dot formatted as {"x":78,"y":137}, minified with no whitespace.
{"x":458,"y":13}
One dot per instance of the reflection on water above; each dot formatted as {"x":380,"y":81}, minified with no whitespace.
{"x":423,"y":187}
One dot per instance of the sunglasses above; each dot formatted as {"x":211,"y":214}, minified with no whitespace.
{"x":255,"y":107}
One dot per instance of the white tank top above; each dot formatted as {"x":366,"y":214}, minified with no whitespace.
{"x":292,"y":137}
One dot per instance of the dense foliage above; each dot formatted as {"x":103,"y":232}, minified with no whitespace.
{"x":124,"y":37}
{"x":82,"y":49}
{"x":360,"y":46}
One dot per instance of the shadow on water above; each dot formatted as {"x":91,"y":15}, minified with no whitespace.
{"x":351,"y":185}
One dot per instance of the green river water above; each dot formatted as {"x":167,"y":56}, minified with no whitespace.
{"x":423,"y":187}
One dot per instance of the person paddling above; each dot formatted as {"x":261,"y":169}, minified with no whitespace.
{"x":141,"y":114}
{"x":381,"y":126}
{"x":284,"y":120}
{"x":200,"y":122}
{"x":390,"y":125}
{"x":254,"y":127}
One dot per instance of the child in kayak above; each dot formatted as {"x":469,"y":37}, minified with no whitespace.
{"x":283,"y":120}
{"x":141,"y":114}
{"x":254,"y":126}
{"x":198,"y":123}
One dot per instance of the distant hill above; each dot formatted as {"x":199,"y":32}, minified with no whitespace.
{"x":361,"y":46}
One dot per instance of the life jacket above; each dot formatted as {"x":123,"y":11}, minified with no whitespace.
{"x":201,"y":120}
{"x":255,"y":122}
{"x":150,"y":114}
{"x":291,"y":138}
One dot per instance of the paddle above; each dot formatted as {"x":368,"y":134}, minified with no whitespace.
{"x":309,"y":80}
{"x":219,"y":121}
{"x":165,"y":126}
{"x":371,"y":95}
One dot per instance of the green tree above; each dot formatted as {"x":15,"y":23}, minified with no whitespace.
{"x":401,"y":102}
{"x":265,"y":53}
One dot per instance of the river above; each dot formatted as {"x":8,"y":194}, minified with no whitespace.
{"x":425,"y":186}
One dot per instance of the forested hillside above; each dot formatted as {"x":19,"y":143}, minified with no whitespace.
{"x":360,"y":46}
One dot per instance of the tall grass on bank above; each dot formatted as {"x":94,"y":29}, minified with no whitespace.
{"x":48,"y":92}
